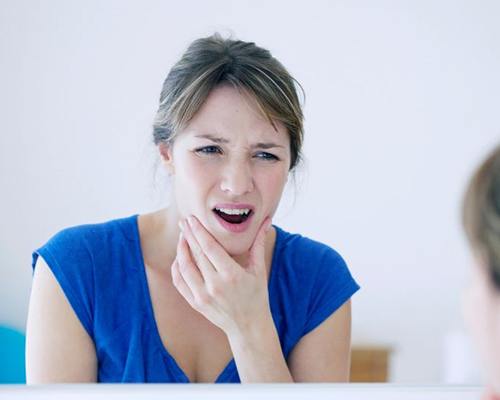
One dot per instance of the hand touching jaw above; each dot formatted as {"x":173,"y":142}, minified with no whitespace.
{"x":230,"y":295}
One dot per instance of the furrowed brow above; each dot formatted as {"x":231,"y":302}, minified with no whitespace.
{"x":213,"y":138}
{"x":266,"y":145}
{"x":260,"y":145}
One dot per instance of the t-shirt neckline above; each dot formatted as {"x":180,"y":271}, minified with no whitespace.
{"x":179,"y":372}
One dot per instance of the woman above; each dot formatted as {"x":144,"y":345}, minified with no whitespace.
{"x":205,"y":290}
{"x":482,"y":300}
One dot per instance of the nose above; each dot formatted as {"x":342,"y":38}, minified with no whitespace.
{"x":237,"y":178}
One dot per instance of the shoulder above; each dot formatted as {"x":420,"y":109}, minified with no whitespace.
{"x":312,"y":269}
{"x":80,"y":247}
{"x":122,"y":228}
{"x":313,"y":280}
{"x":302,"y":251}
{"x":82,"y":238}
{"x":84,"y":259}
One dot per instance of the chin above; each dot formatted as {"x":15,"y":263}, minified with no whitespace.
{"x":235,"y":244}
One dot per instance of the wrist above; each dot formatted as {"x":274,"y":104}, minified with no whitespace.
{"x":251,"y":332}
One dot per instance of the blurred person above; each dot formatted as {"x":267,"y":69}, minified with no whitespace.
{"x":481,"y":216}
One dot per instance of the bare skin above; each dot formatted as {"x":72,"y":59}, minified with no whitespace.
{"x":178,"y":323}
{"x":209,"y":287}
{"x":481,"y":308}
{"x":200,"y":348}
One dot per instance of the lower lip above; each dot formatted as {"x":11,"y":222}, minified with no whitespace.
{"x":234,"y":228}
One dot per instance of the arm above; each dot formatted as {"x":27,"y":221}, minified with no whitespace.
{"x":258,"y":355}
{"x":235,"y":299}
{"x":323,"y":355}
{"x":232,"y":297}
{"x":58,"y":349}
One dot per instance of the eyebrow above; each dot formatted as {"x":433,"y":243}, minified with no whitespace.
{"x":260,"y":145}
{"x":213,"y":138}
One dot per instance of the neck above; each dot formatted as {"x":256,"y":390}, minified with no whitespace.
{"x":241,"y":259}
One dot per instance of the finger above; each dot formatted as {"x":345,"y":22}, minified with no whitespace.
{"x":181,"y":285}
{"x":215,"y":253}
{"x":189,"y":271}
{"x":257,"y":251}
{"x":204,"y":265}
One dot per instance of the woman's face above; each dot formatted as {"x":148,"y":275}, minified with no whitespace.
{"x":482,"y":316}
{"x":229,"y":168}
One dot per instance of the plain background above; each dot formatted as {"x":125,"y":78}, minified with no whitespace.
{"x":402,"y":102}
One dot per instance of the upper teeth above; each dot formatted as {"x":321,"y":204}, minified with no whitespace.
{"x":234,"y":211}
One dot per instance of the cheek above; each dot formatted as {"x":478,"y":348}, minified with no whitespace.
{"x":199,"y":171}
{"x":472,"y":312}
{"x":271,"y":185}
{"x":192,"y":180}
{"x":482,"y":324}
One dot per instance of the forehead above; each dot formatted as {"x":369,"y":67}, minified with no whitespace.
{"x":235,"y":115}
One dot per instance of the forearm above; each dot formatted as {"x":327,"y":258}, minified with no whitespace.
{"x":258,"y":355}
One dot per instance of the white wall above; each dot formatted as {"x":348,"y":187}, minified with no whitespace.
{"x":402,"y":102}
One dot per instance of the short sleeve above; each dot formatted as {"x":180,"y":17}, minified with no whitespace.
{"x":333,"y":286}
{"x":68,"y":257}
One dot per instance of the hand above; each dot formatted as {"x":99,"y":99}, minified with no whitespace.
{"x":232,"y":297}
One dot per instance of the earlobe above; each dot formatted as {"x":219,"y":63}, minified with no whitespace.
{"x":166,"y":157}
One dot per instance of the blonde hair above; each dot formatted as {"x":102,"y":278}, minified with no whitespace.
{"x":214,"y":61}
{"x":481,"y":213}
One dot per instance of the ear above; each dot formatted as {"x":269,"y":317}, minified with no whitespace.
{"x":167,"y":157}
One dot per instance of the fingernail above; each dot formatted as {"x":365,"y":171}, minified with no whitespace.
{"x":181,"y":224}
{"x":190,"y":220}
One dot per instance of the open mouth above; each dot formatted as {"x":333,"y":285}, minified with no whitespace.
{"x":233,"y":216}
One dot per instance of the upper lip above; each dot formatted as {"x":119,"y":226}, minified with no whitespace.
{"x":234,"y":206}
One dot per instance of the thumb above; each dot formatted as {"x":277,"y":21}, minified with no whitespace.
{"x":257,"y":251}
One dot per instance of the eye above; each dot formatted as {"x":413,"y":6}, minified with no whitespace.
{"x":266,"y":156}
{"x":208,"y":150}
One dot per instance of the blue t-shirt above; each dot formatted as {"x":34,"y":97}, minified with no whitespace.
{"x":101,"y":270}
